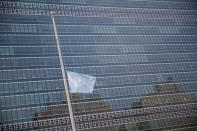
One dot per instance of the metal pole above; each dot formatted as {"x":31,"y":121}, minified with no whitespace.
{"x":63,"y":73}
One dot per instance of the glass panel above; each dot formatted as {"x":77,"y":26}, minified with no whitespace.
{"x":142,"y":53}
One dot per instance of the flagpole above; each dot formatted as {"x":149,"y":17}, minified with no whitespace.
{"x":63,"y":73}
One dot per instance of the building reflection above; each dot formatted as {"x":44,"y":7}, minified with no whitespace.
{"x":166,"y":93}
{"x":80,"y":107}
{"x":163,"y":94}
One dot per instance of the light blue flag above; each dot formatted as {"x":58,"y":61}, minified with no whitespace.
{"x":80,"y":83}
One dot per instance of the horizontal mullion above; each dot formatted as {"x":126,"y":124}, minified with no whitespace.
{"x":34,"y":28}
{"x":16,"y":35}
{"x":32,"y":79}
{"x":88,"y":25}
{"x":113,"y":75}
{"x":105,"y":101}
{"x":137,"y":97}
{"x":101,"y":34}
{"x":99,"y":55}
{"x":125,"y":88}
{"x":63,"y":44}
{"x":42,"y":75}
{"x":100,"y":24}
{"x":91,"y":14}
{"x":106,"y":67}
{"x":93,"y":54}
{"x":90,"y":65}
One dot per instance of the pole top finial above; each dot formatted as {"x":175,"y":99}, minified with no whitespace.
{"x":52,"y":13}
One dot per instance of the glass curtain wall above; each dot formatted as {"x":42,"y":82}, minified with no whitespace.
{"x":142,"y":53}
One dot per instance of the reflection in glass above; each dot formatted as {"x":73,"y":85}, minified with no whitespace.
{"x":142,"y":53}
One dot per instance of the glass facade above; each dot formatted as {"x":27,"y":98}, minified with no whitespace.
{"x":142,"y":53}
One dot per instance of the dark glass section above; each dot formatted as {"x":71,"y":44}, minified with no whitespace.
{"x":142,"y":53}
